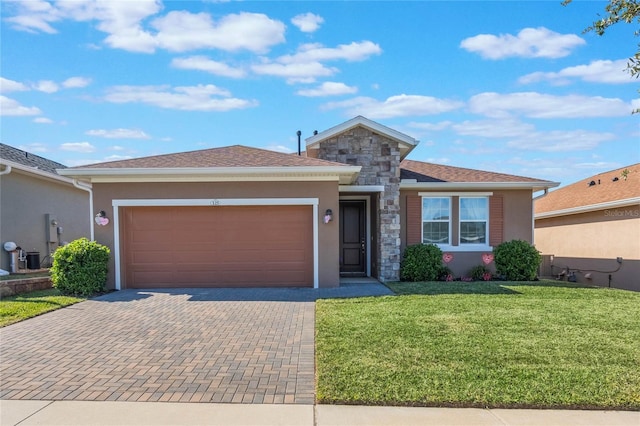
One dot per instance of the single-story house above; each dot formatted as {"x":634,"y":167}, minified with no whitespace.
{"x":240,"y":216}
{"x":39,"y":209}
{"x":589,"y":231}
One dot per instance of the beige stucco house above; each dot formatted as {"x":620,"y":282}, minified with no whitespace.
{"x":240,"y":216}
{"x":590,"y":230}
{"x":39,"y":209}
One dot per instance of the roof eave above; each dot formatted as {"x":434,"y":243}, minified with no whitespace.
{"x":344,"y":174}
{"x":43,"y":174}
{"x":534,"y":186}
{"x":589,"y":208}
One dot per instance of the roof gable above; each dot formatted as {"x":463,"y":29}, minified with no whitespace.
{"x":587,"y":194}
{"x":406,"y":142}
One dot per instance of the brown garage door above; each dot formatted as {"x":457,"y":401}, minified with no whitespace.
{"x":254,"y":246}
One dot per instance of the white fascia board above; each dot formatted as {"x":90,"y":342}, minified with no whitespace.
{"x":365,"y":122}
{"x":469,"y":186}
{"x":361,"y":188}
{"x":590,"y":208}
{"x":37,"y":172}
{"x":455,"y":194}
{"x":343,"y":174}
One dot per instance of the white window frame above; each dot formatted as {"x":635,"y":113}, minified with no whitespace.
{"x":486,"y":221}
{"x":422,"y":221}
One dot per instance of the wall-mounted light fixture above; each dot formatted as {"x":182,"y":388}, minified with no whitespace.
{"x":328,"y":216}
{"x":101,"y":218}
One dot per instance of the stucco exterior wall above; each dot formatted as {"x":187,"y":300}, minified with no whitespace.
{"x":326,"y":192}
{"x":24,"y":202}
{"x":591,"y":242}
{"x":517,"y":224}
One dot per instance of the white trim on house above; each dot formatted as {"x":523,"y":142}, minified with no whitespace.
{"x":467,"y":186}
{"x":12,"y":166}
{"x":589,"y":208}
{"x":367,"y":200}
{"x":361,"y":188}
{"x":343,"y":174}
{"x":217,"y":202}
{"x":455,"y":194}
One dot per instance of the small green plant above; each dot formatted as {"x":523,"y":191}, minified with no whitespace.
{"x":517,"y":260}
{"x":80,"y":268}
{"x":421,"y":262}
{"x":480,"y":273}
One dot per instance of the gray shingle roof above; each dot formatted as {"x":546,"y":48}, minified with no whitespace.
{"x":28,"y":159}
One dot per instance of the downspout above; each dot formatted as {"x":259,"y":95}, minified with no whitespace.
{"x":6,"y":171}
{"x":533,"y":215}
{"x":78,"y":185}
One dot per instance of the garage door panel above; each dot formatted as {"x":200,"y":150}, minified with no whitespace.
{"x":218,"y":246}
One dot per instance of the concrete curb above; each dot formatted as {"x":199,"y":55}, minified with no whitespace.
{"x":69,"y":413}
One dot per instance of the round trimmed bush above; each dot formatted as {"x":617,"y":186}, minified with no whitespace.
{"x":80,"y":268}
{"x":421,"y":262}
{"x":517,"y":260}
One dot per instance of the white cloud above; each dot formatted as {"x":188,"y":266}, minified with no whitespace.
{"x":202,"y":63}
{"x":328,"y":88}
{"x":604,"y":71}
{"x":280,"y":148}
{"x":560,"y":140}
{"x":529,"y":43}
{"x":42,"y":120}
{"x":538,"y":105}
{"x":395,"y":106}
{"x":181,"y":31}
{"x":34,"y":147}
{"x":296,"y":72}
{"x":352,"y":52}
{"x":78,"y":147}
{"x":46,"y":86}
{"x":493,"y":128}
{"x":7,"y":86}
{"x":186,"y":98}
{"x":76,"y":82}
{"x":118,"y":134}
{"x":307,"y":22}
{"x":11,"y":107}
{"x":432,"y":127}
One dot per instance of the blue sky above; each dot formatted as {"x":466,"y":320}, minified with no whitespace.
{"x":513,"y":87}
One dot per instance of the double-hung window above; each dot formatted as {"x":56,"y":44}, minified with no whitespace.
{"x":474,"y":218}
{"x":436,"y":220}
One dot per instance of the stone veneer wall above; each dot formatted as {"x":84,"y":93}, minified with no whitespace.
{"x":379,"y":158}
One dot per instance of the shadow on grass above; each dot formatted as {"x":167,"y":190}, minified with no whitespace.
{"x":474,"y":287}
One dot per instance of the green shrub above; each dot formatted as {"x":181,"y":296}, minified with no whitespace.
{"x":80,"y":268}
{"x":421,"y":262}
{"x":517,"y":260}
{"x":479,"y":273}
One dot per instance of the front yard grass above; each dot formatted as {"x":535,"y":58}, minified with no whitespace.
{"x":20,"y":307}
{"x":537,"y":344}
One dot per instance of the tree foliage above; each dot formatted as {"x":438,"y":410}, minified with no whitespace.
{"x":616,"y":11}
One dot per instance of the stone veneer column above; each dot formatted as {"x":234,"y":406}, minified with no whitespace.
{"x":379,"y":158}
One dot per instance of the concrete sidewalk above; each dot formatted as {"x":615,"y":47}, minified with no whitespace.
{"x":70,"y":413}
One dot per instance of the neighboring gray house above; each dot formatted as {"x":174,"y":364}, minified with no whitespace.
{"x":39,"y":209}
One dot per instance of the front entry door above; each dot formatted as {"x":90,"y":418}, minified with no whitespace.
{"x":353,"y":238}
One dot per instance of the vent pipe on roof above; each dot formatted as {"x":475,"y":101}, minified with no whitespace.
{"x":299,"y":133}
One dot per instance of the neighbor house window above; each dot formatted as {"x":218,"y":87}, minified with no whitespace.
{"x":474,"y":218}
{"x":436,"y":220}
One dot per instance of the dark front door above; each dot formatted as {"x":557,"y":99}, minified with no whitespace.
{"x":353,"y":240}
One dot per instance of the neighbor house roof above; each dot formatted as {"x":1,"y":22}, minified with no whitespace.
{"x":420,"y":175}
{"x":24,"y":158}
{"x":615,"y":188}
{"x":227,"y":163}
{"x":17,"y":160}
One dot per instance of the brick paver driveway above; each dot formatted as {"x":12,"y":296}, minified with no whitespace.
{"x":177,"y":345}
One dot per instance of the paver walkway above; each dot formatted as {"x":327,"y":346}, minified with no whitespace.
{"x":194,"y":345}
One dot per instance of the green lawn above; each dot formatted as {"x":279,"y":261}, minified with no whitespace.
{"x":495,"y":344}
{"x":23,"y":306}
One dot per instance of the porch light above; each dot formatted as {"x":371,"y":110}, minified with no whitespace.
{"x":328,"y":216}
{"x":101,"y":218}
